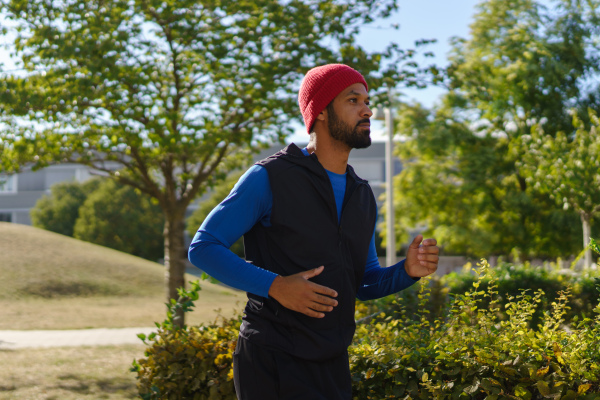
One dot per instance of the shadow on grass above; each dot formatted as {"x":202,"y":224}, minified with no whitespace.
{"x":49,"y":289}
{"x":86,"y":385}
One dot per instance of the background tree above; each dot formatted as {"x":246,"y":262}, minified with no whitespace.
{"x":527,"y":63}
{"x":175,"y":92}
{"x":568,"y":170}
{"x":58,"y":211}
{"x":122,"y":218}
{"x":453,"y":187}
{"x":218,"y":195}
{"x":522,"y":64}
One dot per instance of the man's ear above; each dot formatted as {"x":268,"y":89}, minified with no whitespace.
{"x":322,"y":115}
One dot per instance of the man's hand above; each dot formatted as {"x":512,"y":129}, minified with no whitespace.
{"x":422,"y":258}
{"x":297,"y":293}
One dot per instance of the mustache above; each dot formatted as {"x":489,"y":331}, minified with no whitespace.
{"x":362,"y":121}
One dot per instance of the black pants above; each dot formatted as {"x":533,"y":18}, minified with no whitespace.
{"x":262,"y":374}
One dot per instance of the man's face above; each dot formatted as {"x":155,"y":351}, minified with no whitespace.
{"x":348,"y":117}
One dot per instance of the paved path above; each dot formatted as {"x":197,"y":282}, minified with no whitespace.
{"x":78,"y":337}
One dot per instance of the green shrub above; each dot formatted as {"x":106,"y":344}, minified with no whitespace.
{"x":479,"y":346}
{"x":122,"y":218}
{"x":59,"y":210}
{"x":191,"y":362}
{"x":511,"y":279}
{"x":471,"y":353}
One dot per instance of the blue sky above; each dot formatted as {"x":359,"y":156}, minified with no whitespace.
{"x":423,"y":19}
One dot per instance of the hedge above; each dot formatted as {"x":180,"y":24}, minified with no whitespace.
{"x":472,"y":354}
{"x":481,"y":346}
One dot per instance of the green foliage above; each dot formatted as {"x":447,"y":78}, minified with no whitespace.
{"x":122,"y":218}
{"x":526,"y":62}
{"x":188,"y":362}
{"x":475,"y":204}
{"x":474,"y":354}
{"x":219,"y":193}
{"x":468,"y":350}
{"x":103,"y":212}
{"x":58,"y":211}
{"x":511,"y":279}
{"x":176,"y":92}
{"x":523,"y":63}
{"x":567,"y":169}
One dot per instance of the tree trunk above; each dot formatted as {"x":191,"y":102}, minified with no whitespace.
{"x":585,"y":222}
{"x":174,"y":262}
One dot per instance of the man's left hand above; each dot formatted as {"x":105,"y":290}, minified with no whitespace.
{"x":422,"y":258}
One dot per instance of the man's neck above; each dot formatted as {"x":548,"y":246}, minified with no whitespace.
{"x":332,"y":154}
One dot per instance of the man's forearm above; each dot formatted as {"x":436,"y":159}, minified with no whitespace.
{"x":219,"y":262}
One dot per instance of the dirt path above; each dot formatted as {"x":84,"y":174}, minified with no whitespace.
{"x":78,"y":337}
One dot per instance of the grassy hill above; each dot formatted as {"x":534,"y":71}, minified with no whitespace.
{"x":51,"y":281}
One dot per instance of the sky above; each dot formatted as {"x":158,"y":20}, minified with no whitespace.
{"x":418,"y":19}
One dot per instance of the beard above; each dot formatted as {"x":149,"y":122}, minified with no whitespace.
{"x":353,"y":137}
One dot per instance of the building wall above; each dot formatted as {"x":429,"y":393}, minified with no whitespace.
{"x":21,"y":191}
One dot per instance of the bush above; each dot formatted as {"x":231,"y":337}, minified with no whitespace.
{"x":471,"y":353}
{"x":122,"y":218}
{"x":511,"y":279}
{"x":103,"y":212}
{"x":190,"y":362}
{"x":59,"y":211}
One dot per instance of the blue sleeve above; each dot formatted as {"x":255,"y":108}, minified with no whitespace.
{"x":249,"y":202}
{"x":379,"y":282}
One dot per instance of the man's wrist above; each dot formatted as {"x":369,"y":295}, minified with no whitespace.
{"x":274,"y":286}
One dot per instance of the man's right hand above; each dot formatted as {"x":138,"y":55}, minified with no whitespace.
{"x":297,"y":293}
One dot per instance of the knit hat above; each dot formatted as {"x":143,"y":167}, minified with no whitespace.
{"x":321,"y":85}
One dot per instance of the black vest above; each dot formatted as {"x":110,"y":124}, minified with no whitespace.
{"x":305,"y":234}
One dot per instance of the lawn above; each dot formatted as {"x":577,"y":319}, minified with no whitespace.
{"x":50,"y":281}
{"x":69,"y":373}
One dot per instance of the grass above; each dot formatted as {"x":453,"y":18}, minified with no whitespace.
{"x":50,"y":281}
{"x":69,"y":373}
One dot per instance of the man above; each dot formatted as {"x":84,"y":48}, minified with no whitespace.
{"x":308,"y":223}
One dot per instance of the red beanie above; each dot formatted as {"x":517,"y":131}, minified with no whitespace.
{"x":321,"y":85}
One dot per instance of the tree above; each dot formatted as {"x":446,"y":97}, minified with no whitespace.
{"x":218,"y":195}
{"x":526,"y":63}
{"x":122,"y":218}
{"x":522,"y":64}
{"x":59,"y":211}
{"x":568,"y":170}
{"x":175,"y":92}
{"x":456,"y":186}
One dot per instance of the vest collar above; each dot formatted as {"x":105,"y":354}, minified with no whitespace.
{"x":294,"y":154}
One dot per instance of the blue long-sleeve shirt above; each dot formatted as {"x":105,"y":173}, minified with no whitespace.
{"x":250,"y":202}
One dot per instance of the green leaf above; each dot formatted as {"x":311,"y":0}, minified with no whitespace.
{"x":522,"y":393}
{"x":543,"y":388}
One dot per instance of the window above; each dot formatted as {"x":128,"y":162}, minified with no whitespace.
{"x":5,"y":217}
{"x":8,"y":184}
